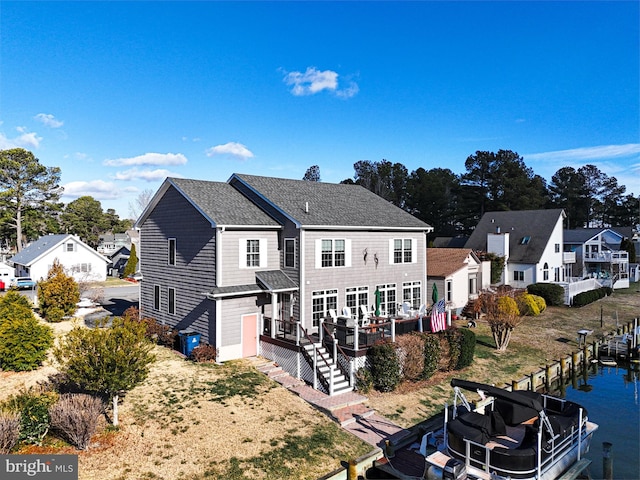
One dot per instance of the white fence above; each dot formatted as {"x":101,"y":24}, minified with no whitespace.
{"x":573,"y":288}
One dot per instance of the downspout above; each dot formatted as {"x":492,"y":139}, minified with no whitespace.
{"x":218,"y":278}
{"x":302,"y":275}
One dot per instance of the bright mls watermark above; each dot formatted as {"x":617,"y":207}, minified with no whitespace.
{"x":45,"y":467}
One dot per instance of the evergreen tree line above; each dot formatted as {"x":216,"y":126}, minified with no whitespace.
{"x":453,"y":204}
{"x":30,"y":205}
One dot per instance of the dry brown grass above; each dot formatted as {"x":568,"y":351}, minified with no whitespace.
{"x":180,"y":424}
{"x":196,"y":421}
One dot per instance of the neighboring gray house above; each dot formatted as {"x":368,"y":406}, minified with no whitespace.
{"x":79,"y":260}
{"x":109,"y":243}
{"x":529,"y":240}
{"x":117,"y":261}
{"x":232,"y":260}
{"x":598,"y":255}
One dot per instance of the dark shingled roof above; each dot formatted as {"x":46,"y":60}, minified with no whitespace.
{"x":329,"y":204}
{"x":537,"y":224}
{"x":275,"y":281}
{"x":221,"y":203}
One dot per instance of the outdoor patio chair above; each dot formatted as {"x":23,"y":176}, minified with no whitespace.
{"x":333,"y":315}
{"x":366,"y":320}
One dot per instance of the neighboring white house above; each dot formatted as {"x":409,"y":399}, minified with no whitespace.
{"x":458,"y":275}
{"x":7,"y":274}
{"x":78,"y":259}
{"x":529,"y":240}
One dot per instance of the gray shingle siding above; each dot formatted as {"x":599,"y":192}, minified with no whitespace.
{"x":194,"y":272}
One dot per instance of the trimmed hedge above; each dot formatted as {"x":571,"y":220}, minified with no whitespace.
{"x":552,"y":293}
{"x":585,"y":298}
{"x":467,"y":348}
{"x":385,"y":367}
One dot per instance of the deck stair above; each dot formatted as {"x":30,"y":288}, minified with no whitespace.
{"x":328,"y":370}
{"x":467,"y":311}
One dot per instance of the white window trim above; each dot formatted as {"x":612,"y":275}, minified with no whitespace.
{"x":414,"y":250}
{"x":347,"y":252}
{"x":242,"y":253}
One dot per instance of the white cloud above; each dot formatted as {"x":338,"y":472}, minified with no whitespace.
{"x":98,"y":189}
{"x":233,"y":149}
{"x":588,"y":153}
{"x":49,"y":120}
{"x":146,"y":175}
{"x":313,"y":81}
{"x":148,"y":159}
{"x":26,"y":140}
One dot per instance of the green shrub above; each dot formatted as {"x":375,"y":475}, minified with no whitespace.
{"x":364,"y":380}
{"x":432,"y":353}
{"x":33,"y":407}
{"x":10,"y":300}
{"x":155,"y":332}
{"x":450,"y":348}
{"x":467,"y":341}
{"x":552,"y":293}
{"x":25,"y":341}
{"x":58,"y":294}
{"x":385,"y":367}
{"x":585,"y":298}
{"x":527,"y":305}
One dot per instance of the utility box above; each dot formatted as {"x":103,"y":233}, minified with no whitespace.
{"x":188,"y":341}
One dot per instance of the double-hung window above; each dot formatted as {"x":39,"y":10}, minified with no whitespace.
{"x":518,"y":275}
{"x":321,"y":302}
{"x":402,"y":250}
{"x":253,"y":252}
{"x":333,"y":252}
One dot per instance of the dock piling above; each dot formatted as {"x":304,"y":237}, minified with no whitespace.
{"x":607,"y":461}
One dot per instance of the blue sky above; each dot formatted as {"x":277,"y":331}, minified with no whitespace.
{"x":120,"y":95}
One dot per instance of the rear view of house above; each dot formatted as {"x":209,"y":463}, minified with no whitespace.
{"x":229,"y":260}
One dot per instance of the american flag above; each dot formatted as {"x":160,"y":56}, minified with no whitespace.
{"x":438,"y":317}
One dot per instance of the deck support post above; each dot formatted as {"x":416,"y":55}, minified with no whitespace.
{"x":356,"y":342}
{"x":393,"y":330}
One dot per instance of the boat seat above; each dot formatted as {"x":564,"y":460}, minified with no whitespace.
{"x":512,"y":413}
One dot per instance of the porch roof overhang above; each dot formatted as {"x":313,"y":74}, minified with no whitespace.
{"x":268,"y":281}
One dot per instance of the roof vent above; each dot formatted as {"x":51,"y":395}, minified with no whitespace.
{"x":306,"y":207}
{"x":497,"y":229}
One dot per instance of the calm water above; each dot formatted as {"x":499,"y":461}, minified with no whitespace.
{"x":611,"y":397}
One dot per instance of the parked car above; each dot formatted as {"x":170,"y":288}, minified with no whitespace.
{"x":23,"y":282}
